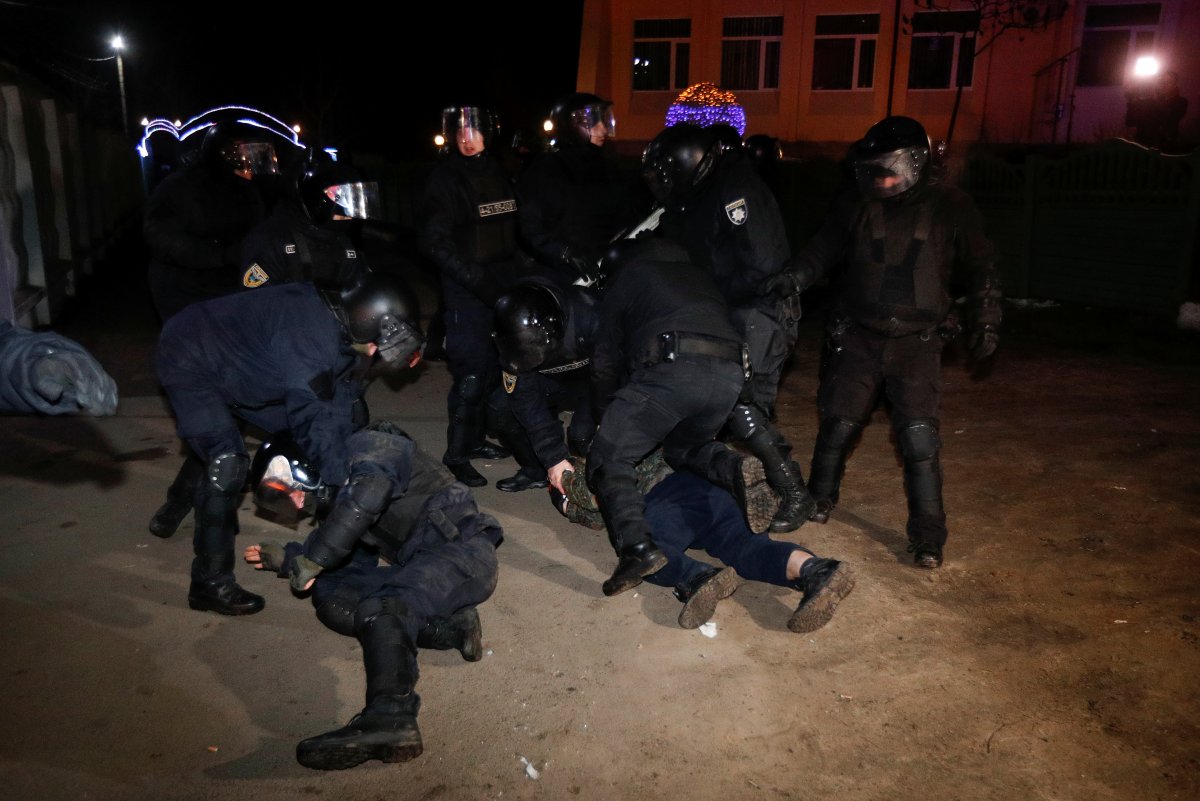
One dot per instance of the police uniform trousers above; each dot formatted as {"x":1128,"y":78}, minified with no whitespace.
{"x":681,"y":404}
{"x":471,"y":356}
{"x":538,"y":395}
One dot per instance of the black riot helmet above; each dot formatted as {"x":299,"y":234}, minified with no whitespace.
{"x":763,"y":150}
{"x":244,"y":149}
{"x":892,"y":158}
{"x":284,"y":481}
{"x":577,"y":118}
{"x":459,"y":123}
{"x":329,"y":190}
{"x":529,"y":327}
{"x":678,"y":160}
{"x":382,"y":309}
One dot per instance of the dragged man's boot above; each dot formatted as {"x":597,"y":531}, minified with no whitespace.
{"x":460,"y":632}
{"x":701,"y":595}
{"x":824,"y":583}
{"x":795,"y":502}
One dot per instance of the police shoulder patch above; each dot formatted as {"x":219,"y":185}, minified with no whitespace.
{"x":510,"y":381}
{"x":254,"y":276}
{"x":737,"y":211}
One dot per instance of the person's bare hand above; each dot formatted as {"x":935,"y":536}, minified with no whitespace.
{"x":253,"y":555}
{"x":555,"y":474}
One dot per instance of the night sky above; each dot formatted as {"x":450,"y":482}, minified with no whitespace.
{"x":351,"y":78}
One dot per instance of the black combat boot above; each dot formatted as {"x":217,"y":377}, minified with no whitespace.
{"x":634,"y":562}
{"x":795,"y":504}
{"x":919,"y":445}
{"x":386,"y":729}
{"x":824,"y":582}
{"x":835,"y":439}
{"x":180,"y":498}
{"x":701,"y":595}
{"x":214,"y":590}
{"x":490,"y":451}
{"x":461,"y":632}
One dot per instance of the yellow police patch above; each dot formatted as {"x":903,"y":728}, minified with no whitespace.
{"x":510,"y":382}
{"x":255,"y":276}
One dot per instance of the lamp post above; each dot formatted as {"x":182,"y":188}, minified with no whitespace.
{"x":118,"y":44}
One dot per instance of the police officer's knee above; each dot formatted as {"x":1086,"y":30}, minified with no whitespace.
{"x":918,"y":440}
{"x":226,"y":472}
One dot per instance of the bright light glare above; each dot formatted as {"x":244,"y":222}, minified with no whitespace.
{"x":1146,"y":66}
{"x":439,"y":140}
{"x":118,"y":42}
{"x":296,"y":128}
{"x":548,"y":126}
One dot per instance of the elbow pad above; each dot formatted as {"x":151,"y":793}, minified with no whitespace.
{"x":356,"y":510}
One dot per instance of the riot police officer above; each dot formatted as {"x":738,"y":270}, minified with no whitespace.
{"x":313,"y":233}
{"x":545,"y":334}
{"x":280,"y":358}
{"x":574,"y":200}
{"x":197,"y":217}
{"x":717,"y":207}
{"x":900,"y":233}
{"x":470,"y":233}
{"x":438,"y":555}
{"x":667,"y":369}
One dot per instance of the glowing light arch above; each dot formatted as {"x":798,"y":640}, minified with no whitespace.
{"x":209,"y":118}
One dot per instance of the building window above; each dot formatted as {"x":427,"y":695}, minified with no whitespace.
{"x":660,"y":54}
{"x":750,"y":52}
{"x":1113,"y":37}
{"x":844,"y":51}
{"x":943,"y":49}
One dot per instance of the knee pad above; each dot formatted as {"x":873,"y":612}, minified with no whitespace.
{"x":226,"y":472}
{"x":918,"y":440}
{"x":337,"y":611}
{"x":838,"y":433}
{"x":368,"y":611}
{"x":469,"y":388}
{"x":747,"y":420}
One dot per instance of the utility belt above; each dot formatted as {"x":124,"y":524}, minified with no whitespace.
{"x":668,"y":345}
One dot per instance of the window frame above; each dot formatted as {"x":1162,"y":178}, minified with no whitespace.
{"x":856,"y":66}
{"x":959,"y":37}
{"x":770,"y":52}
{"x":675,"y":82}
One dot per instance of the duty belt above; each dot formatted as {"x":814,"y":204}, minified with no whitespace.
{"x":666,"y":346}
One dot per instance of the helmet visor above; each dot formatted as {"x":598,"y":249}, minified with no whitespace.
{"x":286,"y":487}
{"x":590,"y":117}
{"x":884,"y":175}
{"x":464,"y":118}
{"x":252,"y":158}
{"x":358,"y":201}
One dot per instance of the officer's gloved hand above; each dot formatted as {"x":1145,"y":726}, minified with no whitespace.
{"x":782,"y":284}
{"x":983,"y":342}
{"x":304,"y":572}
{"x":68,"y":376}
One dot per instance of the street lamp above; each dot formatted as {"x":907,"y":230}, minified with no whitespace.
{"x":118,"y":44}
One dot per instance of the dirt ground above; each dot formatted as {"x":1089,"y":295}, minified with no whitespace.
{"x":1054,"y":656}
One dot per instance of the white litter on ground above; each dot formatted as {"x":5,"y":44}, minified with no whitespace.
{"x":709,"y":629}
{"x":530,"y":770}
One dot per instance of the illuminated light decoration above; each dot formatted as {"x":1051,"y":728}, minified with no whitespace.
{"x":548,"y":126}
{"x":704,"y":104}
{"x":296,"y":128}
{"x":145,"y":121}
{"x":332,"y":151}
{"x":206,"y":119}
{"x":439,"y":140}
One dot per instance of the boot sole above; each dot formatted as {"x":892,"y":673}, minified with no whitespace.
{"x":760,"y":501}
{"x":815,"y":612}
{"x":341,"y":757}
{"x":700,"y":608}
